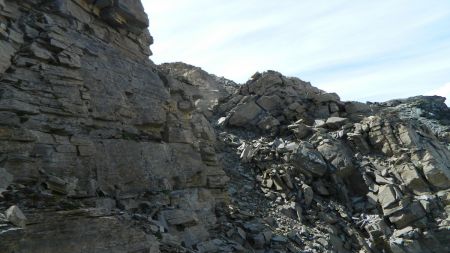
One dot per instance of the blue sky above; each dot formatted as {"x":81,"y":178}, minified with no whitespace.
{"x":364,"y":50}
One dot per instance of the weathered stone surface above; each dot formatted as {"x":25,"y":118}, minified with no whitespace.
{"x":308,"y":194}
{"x":245,"y":114}
{"x":413,"y":180}
{"x":96,"y":124}
{"x":336,"y":122}
{"x":269,"y":103}
{"x":305,"y":158}
{"x":437,"y":173}
{"x":16,"y":216}
{"x":339,"y":155}
{"x":179,"y":217}
{"x":407,"y":215}
{"x":6,"y":53}
{"x":5,"y":179}
{"x":388,"y":195}
{"x":86,"y":231}
{"x":300,"y":130}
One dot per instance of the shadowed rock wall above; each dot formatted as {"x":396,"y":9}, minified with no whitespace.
{"x":89,"y":130}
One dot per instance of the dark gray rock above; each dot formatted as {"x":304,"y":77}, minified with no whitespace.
{"x":306,"y":158}
{"x":245,"y":114}
{"x":5,"y":179}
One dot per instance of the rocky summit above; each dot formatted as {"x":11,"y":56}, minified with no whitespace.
{"x":103,"y":151}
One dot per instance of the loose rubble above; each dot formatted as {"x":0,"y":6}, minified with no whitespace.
{"x":359,"y":180}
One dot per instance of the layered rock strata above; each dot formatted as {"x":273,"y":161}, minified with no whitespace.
{"x":94,"y":138}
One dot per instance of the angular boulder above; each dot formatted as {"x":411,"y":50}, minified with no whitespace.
{"x":336,"y":122}
{"x":339,"y":155}
{"x":245,"y":114}
{"x":16,"y":216}
{"x":306,"y":158}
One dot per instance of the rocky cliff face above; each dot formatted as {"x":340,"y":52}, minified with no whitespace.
{"x":94,"y":137}
{"x":103,"y":151}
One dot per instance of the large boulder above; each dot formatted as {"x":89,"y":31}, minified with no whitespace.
{"x":412,"y":179}
{"x":339,"y":155}
{"x":307,"y":159}
{"x":245,"y":114}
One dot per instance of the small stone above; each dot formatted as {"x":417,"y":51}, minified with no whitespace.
{"x":318,"y":123}
{"x":336,"y":122}
{"x":308,"y":194}
{"x":40,"y":52}
{"x":185,"y":106}
{"x":16,"y":216}
{"x":221,"y":121}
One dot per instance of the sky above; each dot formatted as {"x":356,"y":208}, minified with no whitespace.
{"x":364,"y":50}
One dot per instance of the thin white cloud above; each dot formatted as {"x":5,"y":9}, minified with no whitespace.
{"x":361,"y":49}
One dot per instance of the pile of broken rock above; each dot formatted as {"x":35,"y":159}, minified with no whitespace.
{"x":341,"y":176}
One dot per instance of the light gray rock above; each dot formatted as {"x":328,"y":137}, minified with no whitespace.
{"x":378,"y":229}
{"x":388,"y":195}
{"x":336,"y":122}
{"x":437,"y":173}
{"x":339,"y":155}
{"x":412,"y":179}
{"x":408,"y":215}
{"x":15,"y":216}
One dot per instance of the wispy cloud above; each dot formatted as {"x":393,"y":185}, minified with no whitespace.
{"x":364,"y":50}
